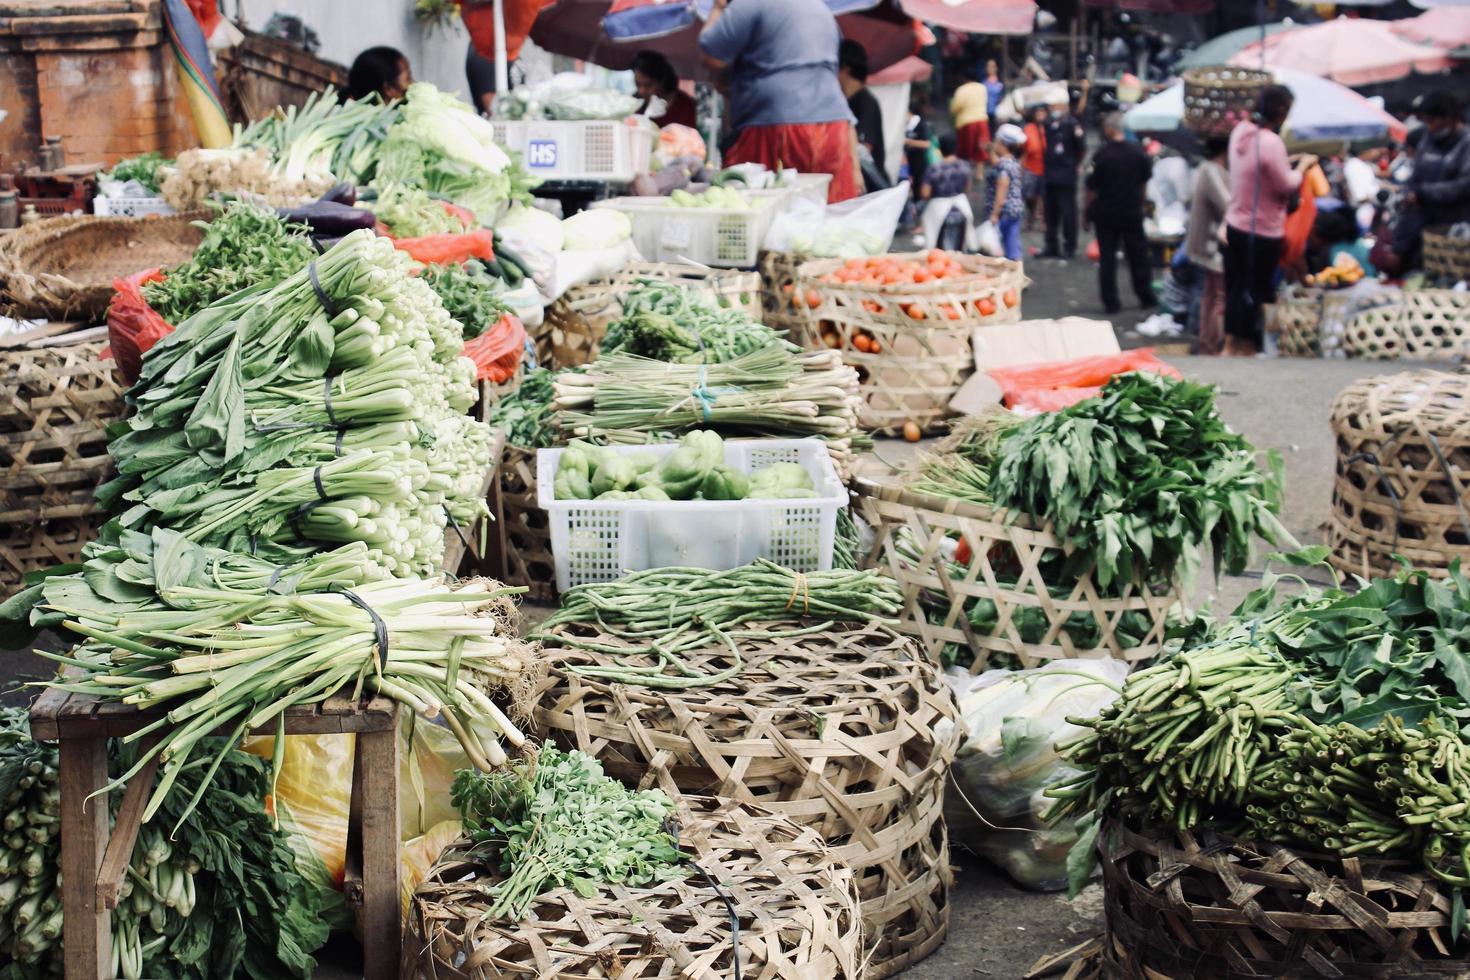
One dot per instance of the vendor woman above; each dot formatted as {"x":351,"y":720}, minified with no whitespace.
{"x":382,"y":70}
{"x":785,"y":101}
{"x":653,"y":75}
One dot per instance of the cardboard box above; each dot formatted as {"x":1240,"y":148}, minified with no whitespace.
{"x":1028,"y":342}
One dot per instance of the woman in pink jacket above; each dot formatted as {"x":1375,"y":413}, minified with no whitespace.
{"x":1263,"y":188}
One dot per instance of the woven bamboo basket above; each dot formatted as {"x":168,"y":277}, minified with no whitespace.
{"x":1403,"y":473}
{"x":778,"y":295}
{"x":1297,"y":323}
{"x":1032,"y":622}
{"x":1418,"y":325}
{"x":62,"y":268}
{"x":923,"y":332}
{"x":55,"y":405}
{"x":1200,"y":906}
{"x":575,"y":323}
{"x":1217,"y":97}
{"x":834,"y":729}
{"x":796,"y":910}
{"x":1445,"y":256}
{"x":523,"y":545}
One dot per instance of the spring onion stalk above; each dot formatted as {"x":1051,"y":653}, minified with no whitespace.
{"x":324,"y":138}
{"x":280,"y":421}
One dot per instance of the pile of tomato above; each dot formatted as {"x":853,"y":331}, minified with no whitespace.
{"x":889,"y":270}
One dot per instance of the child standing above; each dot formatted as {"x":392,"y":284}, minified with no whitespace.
{"x":1004,"y":204}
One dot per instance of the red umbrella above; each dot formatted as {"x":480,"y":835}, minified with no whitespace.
{"x":909,"y":70}
{"x":1157,"y":6}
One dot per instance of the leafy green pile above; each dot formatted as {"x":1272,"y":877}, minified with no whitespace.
{"x":245,"y":245}
{"x":141,"y":169}
{"x":669,"y":322}
{"x":1325,"y":718}
{"x":469,"y":293}
{"x":1140,"y":479}
{"x":409,"y":212}
{"x":223,"y":897}
{"x":326,"y":138}
{"x":528,"y":414}
{"x":559,"y":822}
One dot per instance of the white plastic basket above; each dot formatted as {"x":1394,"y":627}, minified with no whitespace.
{"x":130,"y":207}
{"x":727,"y":238}
{"x":614,"y":152}
{"x":599,"y":541}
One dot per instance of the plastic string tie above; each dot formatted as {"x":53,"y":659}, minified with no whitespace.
{"x":380,"y":628}
{"x":327,"y":400}
{"x":457,"y":528}
{"x":296,"y":516}
{"x":327,"y":302}
{"x":671,"y":827}
{"x":703,"y":395}
{"x":275,"y":576}
{"x":800,"y":586}
{"x":337,"y":446}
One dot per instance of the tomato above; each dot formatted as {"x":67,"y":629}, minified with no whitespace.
{"x":985,"y":307}
{"x":912,"y":432}
{"x":915,"y":311}
{"x":962,"y":552}
{"x":874,"y":347}
{"x":1011,"y":298}
{"x":860,"y":342}
{"x":813,"y":299}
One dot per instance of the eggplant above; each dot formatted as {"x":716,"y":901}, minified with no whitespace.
{"x":343,"y":193}
{"x":329,"y":218}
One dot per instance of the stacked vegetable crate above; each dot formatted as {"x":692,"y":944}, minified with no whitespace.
{"x":57,"y":403}
{"x":1403,"y":451}
{"x":910,"y":341}
{"x":764,"y":899}
{"x":575,"y":324}
{"x":838,"y":728}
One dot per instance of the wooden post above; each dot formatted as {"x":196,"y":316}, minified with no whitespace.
{"x":1072,"y":42}
{"x":374,"y":783}
{"x":86,"y":926}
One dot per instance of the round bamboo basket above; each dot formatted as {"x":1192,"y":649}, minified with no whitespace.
{"x":833,"y":728}
{"x":778,"y":296}
{"x":54,"y":413}
{"x":1219,"y":96}
{"x":1033,"y":621}
{"x":1403,"y":473}
{"x":795,"y":908}
{"x":574,"y":326}
{"x":923,"y":332}
{"x":1201,"y":906}
{"x":1418,"y":325}
{"x":63,"y":268}
{"x":1445,"y":256}
{"x":1297,"y":323}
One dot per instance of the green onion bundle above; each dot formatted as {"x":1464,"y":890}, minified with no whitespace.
{"x":310,"y":414}
{"x":325,"y":138}
{"x":663,"y":612}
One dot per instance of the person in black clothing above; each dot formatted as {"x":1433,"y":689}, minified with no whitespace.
{"x":1115,"y":186}
{"x":1438,"y":192}
{"x":852,"y":73}
{"x":1066,"y":143}
{"x":380,"y":70}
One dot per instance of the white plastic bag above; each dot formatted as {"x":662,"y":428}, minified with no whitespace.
{"x":1015,"y":720}
{"x":862,"y":226}
{"x":988,"y":238}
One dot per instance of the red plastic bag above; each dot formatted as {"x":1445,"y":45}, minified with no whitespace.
{"x":498,"y":351}
{"x":1062,"y":383}
{"x":133,"y":327}
{"x":465,"y":215}
{"x":449,"y":249}
{"x":1298,"y":229}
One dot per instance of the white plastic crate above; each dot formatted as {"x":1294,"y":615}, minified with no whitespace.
{"x":130,"y":207}
{"x":599,"y":541}
{"x":578,"y":149}
{"x":727,"y":238}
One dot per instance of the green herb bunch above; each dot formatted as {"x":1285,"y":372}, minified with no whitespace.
{"x":143,"y":169}
{"x":528,"y":414}
{"x":559,"y":822}
{"x":669,"y":322}
{"x":469,"y":293}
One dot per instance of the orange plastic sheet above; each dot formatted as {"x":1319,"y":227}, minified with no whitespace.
{"x":1057,"y":384}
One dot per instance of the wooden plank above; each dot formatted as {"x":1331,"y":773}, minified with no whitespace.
{"x":86,"y":927}
{"x":44,"y":713}
{"x":79,"y":337}
{"x":50,"y":328}
{"x":375,"y":782}
{"x":125,"y":829}
{"x":83,"y":716}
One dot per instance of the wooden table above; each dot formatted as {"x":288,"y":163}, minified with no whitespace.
{"x":93,"y":862}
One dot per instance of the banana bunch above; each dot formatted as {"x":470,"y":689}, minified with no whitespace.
{"x":1343,"y":272}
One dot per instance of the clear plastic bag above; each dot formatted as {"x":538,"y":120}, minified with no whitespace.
{"x":1014,"y":721}
{"x":863,"y":226}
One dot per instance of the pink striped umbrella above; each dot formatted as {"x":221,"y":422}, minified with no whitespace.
{"x":1347,"y":50}
{"x":1444,"y":27}
{"x":975,"y":16}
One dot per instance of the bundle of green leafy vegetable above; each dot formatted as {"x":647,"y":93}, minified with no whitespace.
{"x":669,"y":322}
{"x":469,"y":293}
{"x":557,"y":821}
{"x":245,"y":245}
{"x":528,"y":414}
{"x":1140,"y":479}
{"x":142,"y":169}
{"x":327,"y":138}
{"x":326,"y":409}
{"x":179,"y":913}
{"x":1325,"y":718}
{"x":409,"y":212}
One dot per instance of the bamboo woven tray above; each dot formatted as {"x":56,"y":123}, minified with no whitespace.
{"x":796,"y":909}
{"x":63,"y":268}
{"x":834,"y":729}
{"x":1201,"y":906}
{"x":1032,"y":623}
{"x":1402,"y":485}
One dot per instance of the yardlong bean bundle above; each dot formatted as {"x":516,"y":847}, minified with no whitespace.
{"x":663,"y":612}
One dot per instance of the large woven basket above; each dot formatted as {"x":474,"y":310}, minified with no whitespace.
{"x":1033,"y":620}
{"x":1200,"y":906}
{"x":1297,"y":323}
{"x":55,"y":405}
{"x":1218,"y":97}
{"x":922,"y":330}
{"x":522,"y":548}
{"x":1403,"y":473}
{"x":62,"y":268}
{"x":796,"y":910}
{"x":1445,"y":256}
{"x":1416,"y":324}
{"x":575,"y":324}
{"x":834,"y":729}
{"x":778,"y":295}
